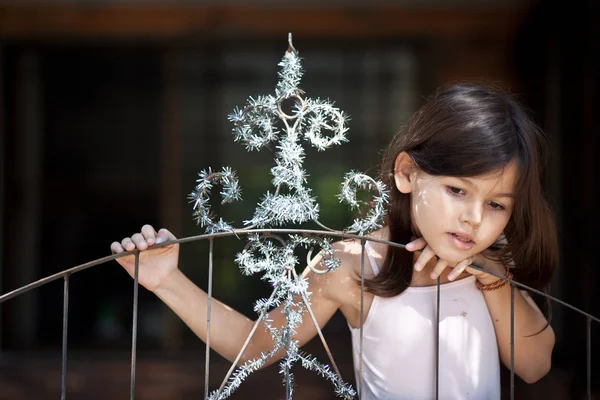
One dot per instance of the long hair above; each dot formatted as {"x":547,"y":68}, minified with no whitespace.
{"x":468,"y":130}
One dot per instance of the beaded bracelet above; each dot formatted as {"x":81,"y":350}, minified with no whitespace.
{"x":495,"y":285}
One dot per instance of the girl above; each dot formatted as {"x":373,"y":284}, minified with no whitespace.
{"x":466,"y":180}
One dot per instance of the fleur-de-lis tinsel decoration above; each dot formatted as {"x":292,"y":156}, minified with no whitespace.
{"x":256,"y":125}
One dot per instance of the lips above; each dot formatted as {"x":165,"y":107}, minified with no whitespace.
{"x":461,"y":241}
{"x":462,"y":236}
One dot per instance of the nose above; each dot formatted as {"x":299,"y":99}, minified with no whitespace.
{"x":472,"y":214}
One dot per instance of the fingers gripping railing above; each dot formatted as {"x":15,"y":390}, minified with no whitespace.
{"x":65,"y":275}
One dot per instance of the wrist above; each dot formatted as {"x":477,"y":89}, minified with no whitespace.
{"x":492,"y":282}
{"x":487,"y":279}
{"x":490,"y":272}
{"x":169,"y":282}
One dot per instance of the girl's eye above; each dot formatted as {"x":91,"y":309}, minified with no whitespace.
{"x":496,"y":206}
{"x":454,"y":190}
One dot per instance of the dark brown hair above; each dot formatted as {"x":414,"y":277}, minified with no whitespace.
{"x":468,"y":130}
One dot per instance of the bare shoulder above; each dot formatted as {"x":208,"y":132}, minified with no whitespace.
{"x":342,"y":284}
{"x":357,"y":255}
{"x":353,"y":257}
{"x":334,"y":285}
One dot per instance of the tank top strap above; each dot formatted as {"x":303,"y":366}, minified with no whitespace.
{"x":369,"y":252}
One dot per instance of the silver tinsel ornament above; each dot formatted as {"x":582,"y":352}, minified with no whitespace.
{"x":261,"y":122}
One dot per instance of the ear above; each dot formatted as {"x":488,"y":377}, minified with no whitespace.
{"x":404,"y":172}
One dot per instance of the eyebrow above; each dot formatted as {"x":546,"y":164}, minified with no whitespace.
{"x":468,"y":182}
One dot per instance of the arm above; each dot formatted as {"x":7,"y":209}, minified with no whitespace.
{"x":229,"y":328}
{"x":533,"y":343}
{"x":158,"y":272}
{"x":534,"y":337}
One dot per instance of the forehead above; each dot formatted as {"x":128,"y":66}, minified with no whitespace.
{"x":503,"y":180}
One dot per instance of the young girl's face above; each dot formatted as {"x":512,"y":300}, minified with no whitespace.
{"x":461,"y":217}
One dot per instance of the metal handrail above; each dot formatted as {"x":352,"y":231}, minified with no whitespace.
{"x":238,"y":232}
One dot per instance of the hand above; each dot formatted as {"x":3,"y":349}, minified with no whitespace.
{"x":155,"y":266}
{"x":479,"y":260}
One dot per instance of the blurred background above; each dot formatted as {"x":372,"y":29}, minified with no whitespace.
{"x":108,"y":110}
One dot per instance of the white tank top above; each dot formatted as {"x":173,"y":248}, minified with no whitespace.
{"x":399,"y":346}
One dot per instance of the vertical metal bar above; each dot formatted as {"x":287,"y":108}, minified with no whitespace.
{"x":63,"y":385}
{"x":512,"y":341}
{"x":208,"y":311}
{"x":362,"y":317}
{"x":3,"y":177}
{"x":437,"y":342}
{"x":287,"y":338}
{"x":288,"y":378}
{"x":589,"y":358}
{"x":134,"y":324}
{"x":288,"y":383}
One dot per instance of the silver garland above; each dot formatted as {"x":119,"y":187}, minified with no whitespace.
{"x":260,"y":123}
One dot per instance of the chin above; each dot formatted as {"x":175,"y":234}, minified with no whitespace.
{"x":454,"y":260}
{"x":454,"y":257}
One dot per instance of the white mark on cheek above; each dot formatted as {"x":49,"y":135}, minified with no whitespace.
{"x":424,"y":197}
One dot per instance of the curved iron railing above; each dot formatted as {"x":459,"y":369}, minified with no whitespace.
{"x":65,"y":275}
